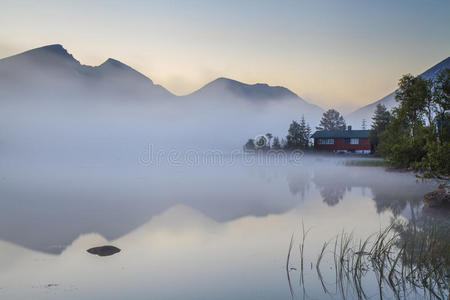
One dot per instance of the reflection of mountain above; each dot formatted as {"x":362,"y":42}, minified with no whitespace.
{"x":47,"y":210}
{"x":47,"y":213}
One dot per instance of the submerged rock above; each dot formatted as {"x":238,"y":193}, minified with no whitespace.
{"x":438,"y":199}
{"x":104,"y":250}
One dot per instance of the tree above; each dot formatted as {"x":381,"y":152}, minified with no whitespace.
{"x":414,"y":96}
{"x":305,"y":134}
{"x":363,"y":125}
{"x":308,"y":135}
{"x":408,"y":140}
{"x":283,"y":143}
{"x":298,"y":135}
{"x":403,"y":142}
{"x":294,"y":137}
{"x":441,"y":99}
{"x":250,"y":145}
{"x":269,"y":137}
{"x":441,"y":92}
{"x":331,"y":120}
{"x":276,"y":143}
{"x":380,"y":120}
{"x":436,"y":161}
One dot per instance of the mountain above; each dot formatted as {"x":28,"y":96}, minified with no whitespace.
{"x":52,"y":71}
{"x":224,"y":91}
{"x":52,"y":67}
{"x":229,"y":88}
{"x":366,"y":112}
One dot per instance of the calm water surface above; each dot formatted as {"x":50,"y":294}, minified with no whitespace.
{"x":203,"y":232}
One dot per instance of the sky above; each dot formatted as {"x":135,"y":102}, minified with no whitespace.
{"x":336,"y":54}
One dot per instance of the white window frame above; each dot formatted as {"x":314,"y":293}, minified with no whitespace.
{"x":354,"y":141}
{"x":325,"y":141}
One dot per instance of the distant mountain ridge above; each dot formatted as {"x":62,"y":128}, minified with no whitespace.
{"x":46,"y":67}
{"x":55,"y":61}
{"x":52,"y":90}
{"x":258,"y":91}
{"x":366,"y":112}
{"x":43,"y":70}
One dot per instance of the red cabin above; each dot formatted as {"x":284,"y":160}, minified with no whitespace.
{"x":356,"y":141}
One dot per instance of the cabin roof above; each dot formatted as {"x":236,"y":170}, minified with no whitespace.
{"x":341,"y":134}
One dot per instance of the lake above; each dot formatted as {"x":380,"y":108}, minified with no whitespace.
{"x":192,"y":230}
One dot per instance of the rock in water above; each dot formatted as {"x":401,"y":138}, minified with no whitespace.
{"x":437,"y":199}
{"x":104,"y":250}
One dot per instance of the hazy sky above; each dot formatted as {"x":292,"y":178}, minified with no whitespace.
{"x":340,"y":54}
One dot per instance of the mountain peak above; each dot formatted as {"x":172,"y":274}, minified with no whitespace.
{"x":434,"y":70}
{"x":49,"y":55}
{"x":56,"y":49}
{"x":114,"y":62}
{"x":257,"y":91}
{"x":113,"y":66}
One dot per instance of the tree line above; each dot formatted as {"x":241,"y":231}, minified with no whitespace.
{"x":298,"y":137}
{"x":416,"y":134}
{"x":299,"y":134}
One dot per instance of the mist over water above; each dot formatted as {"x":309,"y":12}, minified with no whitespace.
{"x":101,"y":155}
{"x":179,"y":223}
{"x":52,"y":107}
{"x":109,"y":129}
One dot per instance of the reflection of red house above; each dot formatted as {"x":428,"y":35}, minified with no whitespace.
{"x":342,"y":140}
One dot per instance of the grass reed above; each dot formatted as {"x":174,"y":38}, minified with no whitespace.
{"x":404,"y":260}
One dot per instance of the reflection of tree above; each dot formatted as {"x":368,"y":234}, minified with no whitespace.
{"x":425,"y":240}
{"x":298,"y":181}
{"x":332,"y":184}
{"x":332,"y":194}
{"x":392,"y":191}
{"x":395,"y":198}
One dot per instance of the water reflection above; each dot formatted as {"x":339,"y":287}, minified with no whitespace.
{"x":390,"y":190}
{"x":299,"y":181}
{"x":408,"y":259}
{"x":184,"y":224}
{"x":47,"y":209}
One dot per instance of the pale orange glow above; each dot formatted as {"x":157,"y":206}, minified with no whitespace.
{"x":344,"y":56}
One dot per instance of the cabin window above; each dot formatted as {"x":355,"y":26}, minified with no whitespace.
{"x":347,"y":141}
{"x":326,"y":141}
{"x":354,"y":141}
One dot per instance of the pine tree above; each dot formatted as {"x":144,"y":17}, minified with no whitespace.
{"x":305,"y":132}
{"x":308,"y":135}
{"x":250,"y":145}
{"x":380,"y":120}
{"x":276,"y":143}
{"x":283,"y":143}
{"x":294,"y":137}
{"x":269,"y":137}
{"x":363,"y":125}
{"x":298,"y":135}
{"x":303,"y":137}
